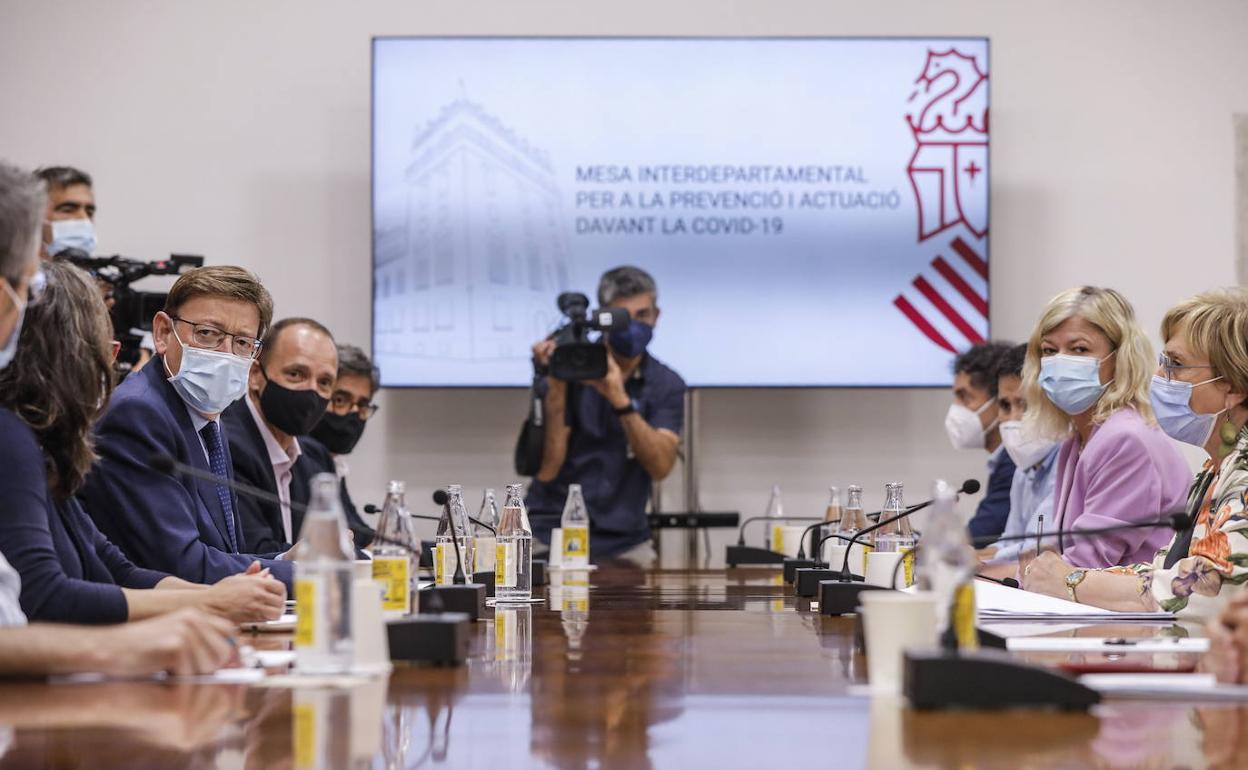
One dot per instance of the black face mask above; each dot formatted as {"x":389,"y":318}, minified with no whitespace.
{"x":339,"y":432}
{"x":293,"y":412}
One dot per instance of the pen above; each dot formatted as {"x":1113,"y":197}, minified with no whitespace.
{"x":1039,"y":531}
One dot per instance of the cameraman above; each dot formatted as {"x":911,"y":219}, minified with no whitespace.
{"x":613,"y":436}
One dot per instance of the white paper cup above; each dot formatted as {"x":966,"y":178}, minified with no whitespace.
{"x":834,"y":555}
{"x":372,"y":641}
{"x":892,"y":622}
{"x":555,"y":557}
{"x":790,"y":540}
{"x":881,"y":566}
{"x":363,"y":569}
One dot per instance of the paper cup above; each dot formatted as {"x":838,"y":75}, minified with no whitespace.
{"x":363,"y":569}
{"x":834,"y":554}
{"x":893,"y":622}
{"x":372,"y":641}
{"x":787,"y":540}
{"x":555,"y":557}
{"x":881,"y":566}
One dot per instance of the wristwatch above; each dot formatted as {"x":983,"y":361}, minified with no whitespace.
{"x":1072,"y":582}
{"x":629,"y":408}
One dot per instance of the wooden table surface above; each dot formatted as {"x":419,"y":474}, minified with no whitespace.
{"x":661,"y":669}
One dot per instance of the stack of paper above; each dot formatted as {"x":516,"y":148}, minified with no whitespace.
{"x":1002,"y":604}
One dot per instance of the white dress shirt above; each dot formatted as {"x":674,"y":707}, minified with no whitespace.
{"x":283,"y":463}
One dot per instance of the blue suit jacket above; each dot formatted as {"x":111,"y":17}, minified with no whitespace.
{"x":168,"y":522}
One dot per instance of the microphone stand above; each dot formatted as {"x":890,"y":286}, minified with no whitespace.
{"x":807,"y":580}
{"x":433,"y":636}
{"x":460,"y":596}
{"x":744,"y":554}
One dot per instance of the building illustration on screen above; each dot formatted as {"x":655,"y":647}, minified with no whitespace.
{"x":471,"y":252}
{"x":948,"y":301}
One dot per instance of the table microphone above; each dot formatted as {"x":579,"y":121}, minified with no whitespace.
{"x":370,"y":508}
{"x":744,"y":554}
{"x":461,"y":595}
{"x":741,"y":529}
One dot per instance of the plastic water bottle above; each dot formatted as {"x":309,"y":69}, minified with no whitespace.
{"x":854,"y":520}
{"x":897,"y":537}
{"x":324,"y":561}
{"x":513,"y":560}
{"x":395,"y":550}
{"x":575,"y":525}
{"x":483,"y":540}
{"x":947,"y":568}
{"x":452,"y":545}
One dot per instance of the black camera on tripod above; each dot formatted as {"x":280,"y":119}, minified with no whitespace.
{"x":132,"y":309}
{"x":576,"y":357}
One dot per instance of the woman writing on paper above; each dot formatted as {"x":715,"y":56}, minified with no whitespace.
{"x":1198,"y":394}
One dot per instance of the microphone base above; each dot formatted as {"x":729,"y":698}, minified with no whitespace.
{"x":539,"y":572}
{"x":440,"y":639}
{"x":748,"y":554}
{"x":468,"y":598}
{"x":791,"y":567}
{"x":989,"y":680}
{"x":806,"y":581}
{"x":486,"y":579}
{"x":837,"y":598}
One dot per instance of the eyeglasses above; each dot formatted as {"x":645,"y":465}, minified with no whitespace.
{"x":343,"y":403}
{"x":210,"y":338}
{"x":1167,"y":363}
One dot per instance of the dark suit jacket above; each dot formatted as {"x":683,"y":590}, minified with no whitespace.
{"x":262,"y":520}
{"x":164,"y":521}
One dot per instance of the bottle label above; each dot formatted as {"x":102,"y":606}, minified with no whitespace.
{"x":505,"y":565}
{"x":439,"y":564}
{"x":907,"y":565}
{"x":576,"y":542}
{"x":305,"y":612}
{"x":866,"y":549}
{"x":484,"y":555}
{"x":777,"y":538}
{"x":964,"y":617}
{"x":305,"y":735}
{"x":391,"y":572}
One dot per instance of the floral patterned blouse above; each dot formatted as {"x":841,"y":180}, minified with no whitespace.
{"x":1198,"y":585}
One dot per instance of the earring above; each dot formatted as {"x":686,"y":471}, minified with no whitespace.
{"x":1229,"y":435}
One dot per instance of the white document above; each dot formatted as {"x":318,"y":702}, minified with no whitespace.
{"x":998,"y":603}
{"x":1199,"y":688}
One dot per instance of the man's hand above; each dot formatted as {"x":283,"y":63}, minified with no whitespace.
{"x":542,"y":351}
{"x":254,"y":595}
{"x":185,"y":642}
{"x":611,"y":387}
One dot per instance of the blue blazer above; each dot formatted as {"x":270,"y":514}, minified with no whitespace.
{"x":70,"y":572}
{"x":164,"y":521}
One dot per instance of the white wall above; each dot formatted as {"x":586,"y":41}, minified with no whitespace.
{"x":240,"y":130}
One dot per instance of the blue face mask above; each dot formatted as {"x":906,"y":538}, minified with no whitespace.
{"x":631,"y":342}
{"x":1172,"y":402}
{"x":1072,"y":383}
{"x":72,"y":234}
{"x":209,"y":380}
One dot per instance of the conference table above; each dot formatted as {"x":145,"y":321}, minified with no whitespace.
{"x":689,"y":669}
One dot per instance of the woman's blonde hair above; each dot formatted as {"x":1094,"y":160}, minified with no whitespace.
{"x":1134,"y":363}
{"x":1216,"y":325}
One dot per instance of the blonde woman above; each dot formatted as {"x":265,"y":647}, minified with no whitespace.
{"x":1198,"y":394}
{"x":1086,"y":381}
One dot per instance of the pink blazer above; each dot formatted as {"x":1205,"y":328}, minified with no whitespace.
{"x":1129,"y":471}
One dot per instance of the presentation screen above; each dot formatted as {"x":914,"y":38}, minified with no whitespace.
{"x":814,"y":211}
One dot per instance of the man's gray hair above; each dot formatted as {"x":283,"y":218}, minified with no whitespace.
{"x":624,"y":282}
{"x":23,"y":198}
{"x":353,"y":361}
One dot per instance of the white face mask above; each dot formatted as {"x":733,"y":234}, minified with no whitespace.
{"x":1023,"y":449}
{"x":209,"y":380}
{"x":963,"y":426}
{"x":72,"y":234}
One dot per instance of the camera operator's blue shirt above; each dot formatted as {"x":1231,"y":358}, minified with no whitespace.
{"x":615,"y":485}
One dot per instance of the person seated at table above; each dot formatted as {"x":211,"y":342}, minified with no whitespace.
{"x":1198,"y":395}
{"x":972,"y":423}
{"x":1086,"y":382}
{"x":206,"y":339}
{"x":1035,"y":458}
{"x":49,"y":398}
{"x":335,"y":436}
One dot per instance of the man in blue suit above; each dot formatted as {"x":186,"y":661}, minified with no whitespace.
{"x":206,"y":338}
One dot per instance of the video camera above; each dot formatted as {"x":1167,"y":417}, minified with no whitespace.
{"x":575,"y":356}
{"x":132,"y":309}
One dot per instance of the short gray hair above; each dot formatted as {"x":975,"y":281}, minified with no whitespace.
{"x":353,"y":361}
{"x":624,"y":282}
{"x":23,"y":198}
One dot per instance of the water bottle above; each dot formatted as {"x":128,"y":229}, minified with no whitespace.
{"x":452,"y":545}
{"x":484,"y":540}
{"x":947,"y":566}
{"x":395,"y":550}
{"x":897,"y":537}
{"x":575,"y":525}
{"x":324,"y":562}
{"x":774,"y":539}
{"x":513,"y":560}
